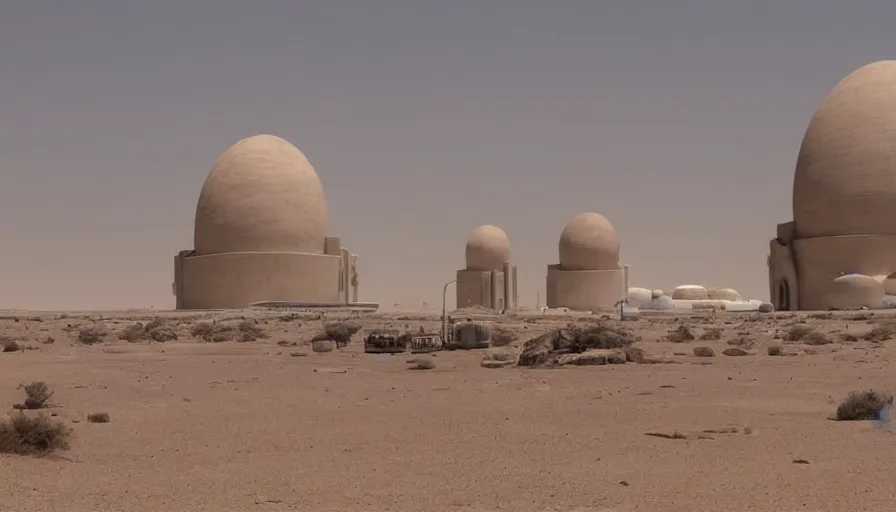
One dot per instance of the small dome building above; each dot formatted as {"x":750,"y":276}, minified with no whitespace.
{"x":489,"y":279}
{"x":588,"y":276}
{"x":844,"y":199}
{"x":261,"y":234}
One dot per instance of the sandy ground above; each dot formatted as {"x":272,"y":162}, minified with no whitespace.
{"x":233,"y":426}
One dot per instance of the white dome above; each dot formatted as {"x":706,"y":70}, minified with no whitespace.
{"x":690,"y":292}
{"x":261,"y":195}
{"x":725,"y":294}
{"x":854,"y":291}
{"x":639,"y":297}
{"x":488,"y":248}
{"x":845,"y":179}
{"x":589,"y":242}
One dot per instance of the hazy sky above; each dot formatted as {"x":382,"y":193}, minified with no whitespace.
{"x":680,"y":121}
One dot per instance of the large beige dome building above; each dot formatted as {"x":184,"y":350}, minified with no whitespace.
{"x":589,"y":276}
{"x":262,"y":234}
{"x":844,"y":200}
{"x":489,"y":279}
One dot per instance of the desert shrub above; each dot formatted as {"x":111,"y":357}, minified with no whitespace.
{"x":321,"y":336}
{"x":863,"y":405}
{"x":816,"y":338}
{"x":212,"y":332}
{"x":847,"y":337}
{"x":9,"y":345}
{"x":880,"y":333}
{"x":249,"y":331}
{"x":711,"y":334}
{"x":421,"y":363}
{"x":704,"y":352}
{"x":501,"y":336}
{"x":634,"y":355}
{"x":158,"y":330}
{"x":132,"y":333}
{"x":775,"y":350}
{"x":822,"y":316}
{"x":341,"y":332}
{"x":22,"y":434}
{"x":741,"y":341}
{"x":98,"y":417}
{"x":202,"y":330}
{"x":92,"y":335}
{"x":798,"y":332}
{"x":680,"y":335}
{"x":37,"y":394}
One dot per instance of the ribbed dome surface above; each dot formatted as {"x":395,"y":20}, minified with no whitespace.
{"x":589,"y":242}
{"x":488,"y":248}
{"x":261,"y":195}
{"x":845,"y":180}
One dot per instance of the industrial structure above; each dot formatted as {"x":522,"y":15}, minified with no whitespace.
{"x":840,"y":248}
{"x":489,"y":279}
{"x":589,"y":276}
{"x":262,"y":234}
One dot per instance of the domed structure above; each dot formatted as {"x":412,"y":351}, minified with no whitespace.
{"x":639,"y":297}
{"x":261,"y":234}
{"x":488,"y":248}
{"x":844,"y":182}
{"x":844,"y":195}
{"x":588,"y":276}
{"x":725,"y":294}
{"x":589,"y":242}
{"x":262,"y":194}
{"x":855,"y":291}
{"x":690,"y":292}
{"x":489,"y":279}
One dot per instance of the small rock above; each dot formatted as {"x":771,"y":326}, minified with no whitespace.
{"x":735,"y":351}
{"x":298,"y":354}
{"x":704,"y":352}
{"x":766,"y":307}
{"x":800,"y":461}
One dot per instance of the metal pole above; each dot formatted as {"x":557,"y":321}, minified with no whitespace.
{"x":445,"y":312}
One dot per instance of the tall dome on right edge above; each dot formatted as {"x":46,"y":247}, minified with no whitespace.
{"x":844,"y":201}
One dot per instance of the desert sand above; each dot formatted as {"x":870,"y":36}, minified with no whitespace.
{"x":270,"y":425}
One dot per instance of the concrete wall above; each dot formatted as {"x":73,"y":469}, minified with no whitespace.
{"x":476,"y":288}
{"x":783,"y":285}
{"x":234,"y":280}
{"x":821,"y":260}
{"x":584,"y":290}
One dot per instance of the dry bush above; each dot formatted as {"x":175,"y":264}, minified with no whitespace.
{"x":816,"y":338}
{"x":863,"y":405}
{"x":132,"y":333}
{"x":680,"y":335}
{"x":248,"y":330}
{"x":798,"y":332}
{"x":845,"y":336}
{"x":704,"y":352}
{"x":711,"y":334}
{"x":37,"y":394}
{"x":22,"y":434}
{"x":98,"y":417}
{"x":421,"y":363}
{"x":741,"y":341}
{"x":880,"y":333}
{"x":502,"y":336}
{"x":775,"y":350}
{"x":634,"y":355}
{"x":822,"y":316}
{"x":92,"y":335}
{"x":341,"y":332}
{"x":9,"y":345}
{"x":211,"y":332}
{"x":158,"y":330}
